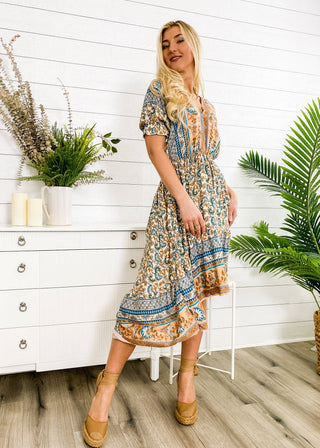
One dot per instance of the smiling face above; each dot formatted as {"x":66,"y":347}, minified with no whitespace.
{"x":177,"y":54}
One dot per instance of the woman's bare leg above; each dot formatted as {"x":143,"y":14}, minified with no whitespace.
{"x":189,"y":350}
{"x":118,"y":355}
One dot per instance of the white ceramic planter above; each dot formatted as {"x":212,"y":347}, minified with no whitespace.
{"x":57,"y":205}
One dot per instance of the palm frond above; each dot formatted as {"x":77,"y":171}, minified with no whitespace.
{"x":262,"y":229}
{"x":266,"y":253}
{"x":303,"y":268}
{"x":268,"y":174}
{"x":298,"y":230}
{"x":301,"y":167}
{"x":253,"y":249}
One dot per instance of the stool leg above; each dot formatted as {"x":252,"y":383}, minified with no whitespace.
{"x":210,"y":325}
{"x":171,"y":365}
{"x":154,"y":367}
{"x":233,"y":327}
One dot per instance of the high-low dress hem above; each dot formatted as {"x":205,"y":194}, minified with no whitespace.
{"x":192,"y":331}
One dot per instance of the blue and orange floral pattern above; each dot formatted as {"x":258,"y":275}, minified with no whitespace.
{"x":179,"y":270}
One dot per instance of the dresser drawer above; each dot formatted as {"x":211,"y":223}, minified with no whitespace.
{"x":88,"y":267}
{"x":19,"y":270}
{"x":51,"y":240}
{"x":80,"y":304}
{"x":19,"y":308}
{"x":77,"y":343}
{"x":18,"y":346}
{"x":83,"y":344}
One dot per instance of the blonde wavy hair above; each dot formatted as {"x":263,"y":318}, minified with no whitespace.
{"x":176,"y":96}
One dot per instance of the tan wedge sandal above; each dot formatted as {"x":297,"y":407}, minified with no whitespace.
{"x":186,"y":413}
{"x":94,"y":432}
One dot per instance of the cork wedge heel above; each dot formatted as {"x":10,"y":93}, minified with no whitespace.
{"x":95,"y":432}
{"x":186,"y":413}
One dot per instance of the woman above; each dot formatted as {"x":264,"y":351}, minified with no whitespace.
{"x":188,"y":232}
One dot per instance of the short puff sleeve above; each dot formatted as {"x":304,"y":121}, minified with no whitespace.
{"x":154,"y":118}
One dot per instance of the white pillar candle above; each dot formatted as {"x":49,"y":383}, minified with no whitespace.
{"x":34,"y":212}
{"x":19,"y":209}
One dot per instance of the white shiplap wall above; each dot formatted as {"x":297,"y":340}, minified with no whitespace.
{"x":261,"y":67}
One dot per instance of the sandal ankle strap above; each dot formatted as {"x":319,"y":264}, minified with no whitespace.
{"x":107,"y":378}
{"x":186,"y":365}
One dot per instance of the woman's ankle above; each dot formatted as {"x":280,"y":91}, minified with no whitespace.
{"x":101,"y":402}
{"x":106,"y":389}
{"x":186,"y":388}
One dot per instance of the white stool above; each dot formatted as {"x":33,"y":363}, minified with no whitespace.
{"x":232,"y":286}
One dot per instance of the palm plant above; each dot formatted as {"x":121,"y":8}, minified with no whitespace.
{"x":295,"y":254}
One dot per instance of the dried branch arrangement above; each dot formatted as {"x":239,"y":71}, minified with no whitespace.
{"x":59,"y":155}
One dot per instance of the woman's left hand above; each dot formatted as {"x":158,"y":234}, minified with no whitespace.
{"x":233,"y":207}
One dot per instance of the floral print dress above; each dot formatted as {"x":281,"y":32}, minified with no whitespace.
{"x":178,"y":270}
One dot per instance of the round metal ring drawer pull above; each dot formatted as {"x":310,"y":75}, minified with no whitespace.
{"x":23,"y":307}
{"x":133,"y":264}
{"x":21,"y":241}
{"x":21,"y":267}
{"x":23,"y":344}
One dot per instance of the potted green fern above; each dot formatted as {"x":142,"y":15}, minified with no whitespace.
{"x":297,"y":181}
{"x":63,"y":167}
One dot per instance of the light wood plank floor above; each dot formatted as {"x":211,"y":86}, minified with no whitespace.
{"x":274,"y":401}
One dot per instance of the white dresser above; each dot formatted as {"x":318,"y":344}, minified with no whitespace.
{"x":60,"y":289}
